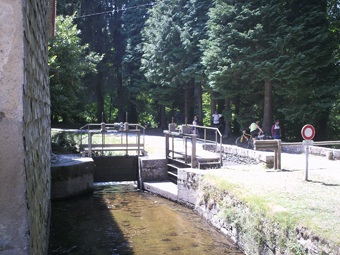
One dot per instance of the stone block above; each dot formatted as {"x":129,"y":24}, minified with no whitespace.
{"x":71,"y":177}
{"x":153,"y":169}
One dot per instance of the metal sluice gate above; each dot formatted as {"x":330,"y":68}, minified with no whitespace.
{"x":103,"y":141}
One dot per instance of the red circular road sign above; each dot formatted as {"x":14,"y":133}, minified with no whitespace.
{"x":308,"y":132}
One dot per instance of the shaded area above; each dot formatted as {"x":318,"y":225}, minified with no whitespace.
{"x":119,"y":220}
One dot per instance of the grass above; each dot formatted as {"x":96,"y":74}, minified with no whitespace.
{"x":285,"y":197}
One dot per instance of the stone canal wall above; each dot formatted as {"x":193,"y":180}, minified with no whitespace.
{"x":249,"y":228}
{"x":71,"y":176}
{"x":25,"y":127}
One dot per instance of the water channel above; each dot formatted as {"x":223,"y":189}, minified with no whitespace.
{"x":118,"y":219}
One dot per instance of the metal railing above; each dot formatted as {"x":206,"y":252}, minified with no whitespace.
{"x":112,"y":128}
{"x":217,"y":134}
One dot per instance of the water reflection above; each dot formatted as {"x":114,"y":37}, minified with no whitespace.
{"x":119,"y":220}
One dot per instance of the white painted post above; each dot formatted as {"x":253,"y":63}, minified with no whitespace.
{"x":193,"y":151}
{"x":89,"y":138}
{"x":307,"y":155}
{"x":166,"y":145}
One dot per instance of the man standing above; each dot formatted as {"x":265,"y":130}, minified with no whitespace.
{"x":276,"y":130}
{"x":216,"y":119}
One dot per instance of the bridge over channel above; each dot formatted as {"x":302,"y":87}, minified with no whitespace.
{"x":116,"y":149}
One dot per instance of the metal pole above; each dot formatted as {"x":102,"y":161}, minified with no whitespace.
{"x":205,"y":138}
{"x":193,"y":151}
{"x":166,"y":146}
{"x":307,"y":155}
{"x":138,"y":142}
{"x":216,"y":139}
{"x":173,"y":147}
{"x":127,"y":141}
{"x":185,"y":149}
{"x":220,"y":151}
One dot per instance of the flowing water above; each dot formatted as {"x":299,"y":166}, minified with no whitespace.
{"x":118,"y":219}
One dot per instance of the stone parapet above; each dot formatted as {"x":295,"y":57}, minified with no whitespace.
{"x":153,"y":169}
{"x":261,"y":156}
{"x":71,"y":176}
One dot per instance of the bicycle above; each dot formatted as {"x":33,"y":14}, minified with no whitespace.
{"x":245,"y":140}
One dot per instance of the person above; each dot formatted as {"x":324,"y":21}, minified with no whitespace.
{"x":195,"y":123}
{"x":216,"y":119}
{"x":276,"y":130}
{"x":255,"y":130}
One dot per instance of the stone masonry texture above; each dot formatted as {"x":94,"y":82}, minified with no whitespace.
{"x":25,"y":147}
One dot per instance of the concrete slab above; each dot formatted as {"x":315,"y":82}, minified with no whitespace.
{"x":165,"y":189}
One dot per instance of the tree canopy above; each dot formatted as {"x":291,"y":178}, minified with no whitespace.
{"x":174,"y":58}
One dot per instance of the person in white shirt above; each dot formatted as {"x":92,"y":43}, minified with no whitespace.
{"x":216,"y":119}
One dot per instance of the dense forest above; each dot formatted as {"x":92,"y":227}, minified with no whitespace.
{"x":266,"y":59}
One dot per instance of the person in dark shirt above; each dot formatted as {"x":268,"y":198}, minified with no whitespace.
{"x":276,"y":130}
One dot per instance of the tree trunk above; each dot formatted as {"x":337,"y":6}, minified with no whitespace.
{"x":186,"y":102}
{"x":200,"y":107}
{"x":236,"y":125}
{"x":133,"y":118}
{"x":100,"y":100}
{"x":212,"y":104}
{"x":268,"y":109}
{"x":163,"y":118}
{"x":121,"y":115}
{"x":227,"y":130}
{"x":221,"y":105}
{"x":321,"y":135}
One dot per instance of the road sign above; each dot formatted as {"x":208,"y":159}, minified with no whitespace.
{"x":307,"y":142}
{"x":308,"y":132}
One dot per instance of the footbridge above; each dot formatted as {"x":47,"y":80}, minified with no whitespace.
{"x":115,"y":149}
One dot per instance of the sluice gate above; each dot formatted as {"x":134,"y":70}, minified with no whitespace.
{"x":115,"y":168}
{"x":115,"y":149}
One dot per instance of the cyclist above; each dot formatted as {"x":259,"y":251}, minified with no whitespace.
{"x":255,"y":130}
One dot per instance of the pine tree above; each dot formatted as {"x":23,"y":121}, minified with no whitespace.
{"x":271,"y":49}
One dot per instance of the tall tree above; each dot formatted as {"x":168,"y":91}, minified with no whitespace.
{"x":270,"y":48}
{"x":68,"y":61}
{"x":133,"y":78}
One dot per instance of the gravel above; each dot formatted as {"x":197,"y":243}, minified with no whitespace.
{"x":229,"y":159}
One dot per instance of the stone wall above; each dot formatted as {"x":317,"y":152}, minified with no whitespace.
{"x":71,"y":176}
{"x":25,"y":127}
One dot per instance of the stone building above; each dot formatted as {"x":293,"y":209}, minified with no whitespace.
{"x":25,"y":146}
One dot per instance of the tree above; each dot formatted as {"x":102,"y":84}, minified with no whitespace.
{"x":162,"y":59}
{"x":133,"y":78}
{"x":270,"y":49}
{"x":68,"y":62}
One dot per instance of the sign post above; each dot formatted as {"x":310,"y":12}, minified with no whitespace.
{"x":307,"y":133}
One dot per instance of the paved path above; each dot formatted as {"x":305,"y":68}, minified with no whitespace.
{"x":155,"y":145}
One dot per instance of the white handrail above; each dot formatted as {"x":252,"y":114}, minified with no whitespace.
{"x":217,"y":131}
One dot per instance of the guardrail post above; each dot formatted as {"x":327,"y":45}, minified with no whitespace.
{"x":185,"y":149}
{"x":221,"y":151}
{"x":193,"y":151}
{"x":279,"y":154}
{"x":167,"y":145}
{"x":89,"y":138}
{"x":205,"y":138}
{"x":138,"y":141}
{"x":275,"y":159}
{"x":216,"y":139}
{"x":173,"y":146}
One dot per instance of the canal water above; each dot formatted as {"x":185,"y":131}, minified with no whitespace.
{"x":118,"y":219}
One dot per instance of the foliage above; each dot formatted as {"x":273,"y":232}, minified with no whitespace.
{"x":271,"y":59}
{"x":276,"y":44}
{"x":68,"y":63}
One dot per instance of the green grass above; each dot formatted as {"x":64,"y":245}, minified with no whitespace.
{"x":285,"y":197}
